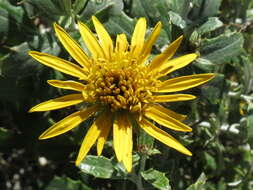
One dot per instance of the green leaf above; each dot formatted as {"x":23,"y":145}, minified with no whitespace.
{"x":210,"y":7}
{"x":153,"y":11}
{"x":4,"y":21}
{"x":180,"y":7}
{"x":66,"y":183}
{"x":66,"y":6}
{"x":11,"y":18}
{"x":212,"y":90}
{"x":162,"y":40}
{"x":163,"y":12}
{"x":14,"y":12}
{"x":222,"y":48}
{"x":97,"y":166}
{"x":195,"y":38}
{"x":250,"y":124}
{"x":101,"y":9}
{"x":50,"y":8}
{"x":145,"y":9}
{"x":210,"y":161}
{"x":120,"y":171}
{"x":120,"y":24}
{"x":177,"y":20}
{"x":247,"y":74}
{"x":18,"y":62}
{"x":249,"y":14}
{"x":154,"y":151}
{"x":156,"y":178}
{"x":117,"y":8}
{"x":199,"y":184}
{"x":168,"y":12}
{"x":210,"y":25}
{"x":204,"y":64}
{"x":18,"y":68}
{"x":202,"y":9}
{"x":79,"y":5}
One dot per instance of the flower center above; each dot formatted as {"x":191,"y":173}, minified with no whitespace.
{"x":121,"y":85}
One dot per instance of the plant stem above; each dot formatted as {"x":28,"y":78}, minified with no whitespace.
{"x":136,"y":176}
{"x":124,"y":185}
{"x":144,"y":143}
{"x":142,"y":168}
{"x":139,"y":184}
{"x":143,"y":162}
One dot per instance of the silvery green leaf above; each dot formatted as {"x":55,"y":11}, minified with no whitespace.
{"x":177,"y":20}
{"x":199,"y":184}
{"x":157,"y":179}
{"x":66,"y":183}
{"x":97,"y":166}
{"x":227,"y":45}
{"x":210,"y":25}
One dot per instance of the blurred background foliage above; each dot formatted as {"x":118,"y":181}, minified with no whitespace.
{"x":220,"y":31}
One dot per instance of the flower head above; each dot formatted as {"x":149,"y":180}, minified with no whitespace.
{"x":121,"y":86}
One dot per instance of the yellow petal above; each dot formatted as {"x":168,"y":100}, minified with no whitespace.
{"x":162,"y":136}
{"x":59,"y":64}
{"x":118,"y":130}
{"x":151,"y":40}
{"x":127,"y":143}
{"x":58,"y":103}
{"x":90,"y":41}
{"x":166,"y":54}
{"x":90,"y":138}
{"x":183,"y":83}
{"x":69,"y":85}
{"x":169,"y":112}
{"x":72,"y":47}
{"x":105,"y":129}
{"x":138,"y":37}
{"x":173,"y":98}
{"x":121,"y":45}
{"x":104,"y":37}
{"x":177,"y":63}
{"x":156,"y":113}
{"x":68,"y":123}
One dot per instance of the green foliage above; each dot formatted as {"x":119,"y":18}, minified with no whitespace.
{"x":250,"y":124}
{"x":65,"y":183}
{"x":199,"y":184}
{"x":221,"y":32}
{"x":157,"y":179}
{"x":97,"y":166}
{"x":227,"y":45}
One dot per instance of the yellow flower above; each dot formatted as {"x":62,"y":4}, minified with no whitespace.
{"x":121,"y":87}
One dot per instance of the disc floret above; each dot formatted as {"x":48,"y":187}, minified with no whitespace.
{"x":121,"y":84}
